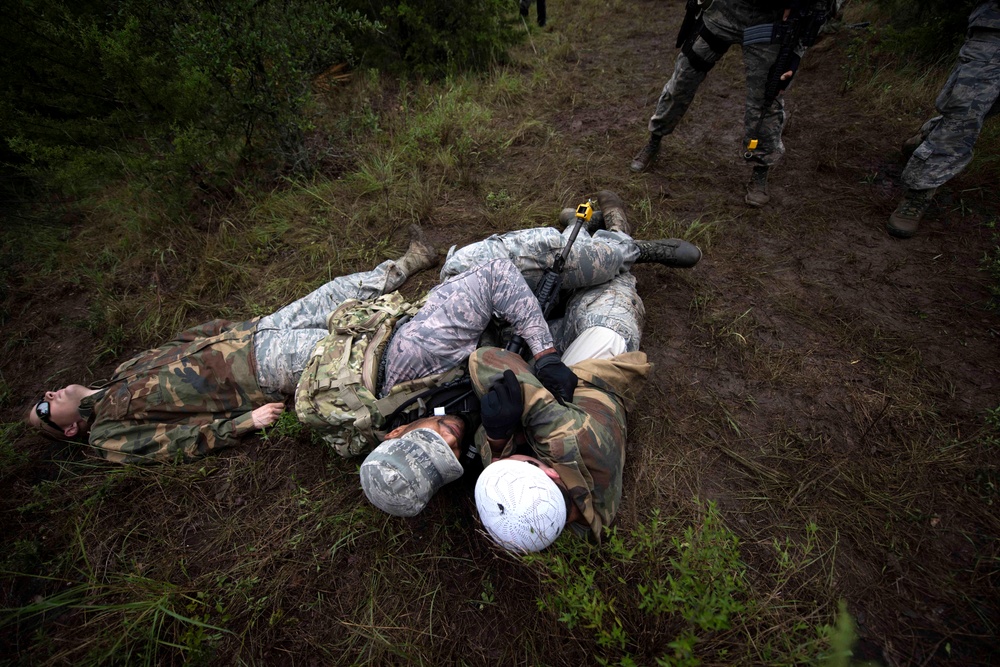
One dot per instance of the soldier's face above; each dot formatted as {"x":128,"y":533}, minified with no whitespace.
{"x":62,"y":407}
{"x":449,"y":427}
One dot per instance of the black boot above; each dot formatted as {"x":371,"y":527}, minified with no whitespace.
{"x":675,"y":253}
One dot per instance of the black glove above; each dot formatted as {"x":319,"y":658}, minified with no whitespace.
{"x":501,"y":407}
{"x":556,"y":377}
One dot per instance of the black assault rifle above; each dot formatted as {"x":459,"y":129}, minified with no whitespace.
{"x":547,"y":290}
{"x":547,"y":293}
{"x":799,"y":28}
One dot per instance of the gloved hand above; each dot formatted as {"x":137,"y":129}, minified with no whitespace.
{"x":501,"y":407}
{"x":556,"y":377}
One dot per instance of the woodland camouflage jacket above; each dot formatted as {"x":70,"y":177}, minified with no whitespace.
{"x":182,"y":399}
{"x":583,"y":440}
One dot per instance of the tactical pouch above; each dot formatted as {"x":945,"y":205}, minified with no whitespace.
{"x":336,"y":394}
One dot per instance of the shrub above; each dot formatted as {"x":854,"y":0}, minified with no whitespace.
{"x":99,"y":88}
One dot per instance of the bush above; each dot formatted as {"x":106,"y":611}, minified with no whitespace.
{"x":929,"y":30}
{"x":104,"y":87}
{"x":101,"y":88}
{"x":436,"y":37}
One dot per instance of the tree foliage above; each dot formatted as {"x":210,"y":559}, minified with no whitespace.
{"x":97,"y":88}
{"x":929,"y":30}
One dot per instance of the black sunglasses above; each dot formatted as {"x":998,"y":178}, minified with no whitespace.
{"x":43,"y":412}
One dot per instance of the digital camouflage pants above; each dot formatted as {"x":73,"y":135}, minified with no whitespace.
{"x":597,"y":269}
{"x":726,"y":20}
{"x":284,"y":340}
{"x":969,"y":97}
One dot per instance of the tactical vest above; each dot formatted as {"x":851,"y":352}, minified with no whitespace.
{"x":337,"y":392}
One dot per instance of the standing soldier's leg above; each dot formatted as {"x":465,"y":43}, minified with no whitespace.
{"x":757,"y":62}
{"x":690,"y":69}
{"x":971,"y":94}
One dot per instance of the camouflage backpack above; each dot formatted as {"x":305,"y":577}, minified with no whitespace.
{"x":336,"y":395}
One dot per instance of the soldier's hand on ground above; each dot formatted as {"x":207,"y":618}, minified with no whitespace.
{"x":266,"y":415}
{"x":556,"y":376}
{"x":501,"y":407}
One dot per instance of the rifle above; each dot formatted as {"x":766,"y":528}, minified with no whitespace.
{"x":547,"y":290}
{"x":547,"y":293}
{"x":801,"y":27}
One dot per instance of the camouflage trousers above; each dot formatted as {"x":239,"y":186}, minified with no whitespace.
{"x":597,"y":269}
{"x":726,"y":19}
{"x":284,"y":340}
{"x":969,"y":97}
{"x":613,"y":305}
{"x":592,"y":260}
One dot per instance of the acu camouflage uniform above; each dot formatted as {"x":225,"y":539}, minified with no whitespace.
{"x":584,"y":440}
{"x":725,"y":21}
{"x":597,"y":269}
{"x":195,"y":394}
{"x":969,"y":97}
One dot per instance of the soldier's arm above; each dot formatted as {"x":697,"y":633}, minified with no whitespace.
{"x":148,"y":442}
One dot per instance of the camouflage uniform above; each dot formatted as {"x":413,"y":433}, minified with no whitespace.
{"x":600,"y":262}
{"x":726,"y":20}
{"x":583,"y":440}
{"x":592,"y":260}
{"x":448,"y":327}
{"x":286,"y":339}
{"x":971,"y":94}
{"x":195,"y":394}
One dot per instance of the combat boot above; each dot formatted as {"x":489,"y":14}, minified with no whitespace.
{"x":568,"y":216}
{"x":615,"y":219}
{"x":419,"y":255}
{"x":675,"y":253}
{"x":905,"y":219}
{"x":757,"y":187}
{"x":644,"y":159}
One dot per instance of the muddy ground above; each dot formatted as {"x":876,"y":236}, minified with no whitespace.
{"x":809,"y":369}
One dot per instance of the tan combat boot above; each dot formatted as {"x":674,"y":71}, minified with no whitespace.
{"x":419,"y":255}
{"x":613,"y":209}
{"x":645,"y":158}
{"x":905,"y":219}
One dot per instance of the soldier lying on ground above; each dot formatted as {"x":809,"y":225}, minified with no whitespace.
{"x":548,"y":462}
{"x":220,"y":381}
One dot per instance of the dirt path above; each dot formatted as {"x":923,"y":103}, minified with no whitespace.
{"x":811,"y":368}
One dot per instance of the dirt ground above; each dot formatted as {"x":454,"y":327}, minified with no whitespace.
{"x":809,"y":369}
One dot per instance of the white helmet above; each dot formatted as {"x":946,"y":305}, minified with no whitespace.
{"x":520,"y":506}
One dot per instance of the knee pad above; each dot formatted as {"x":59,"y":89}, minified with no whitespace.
{"x":716,"y":46}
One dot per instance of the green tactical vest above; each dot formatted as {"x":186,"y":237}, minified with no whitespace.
{"x":336,"y":395}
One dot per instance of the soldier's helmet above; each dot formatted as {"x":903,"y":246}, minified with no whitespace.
{"x":520,"y":506}
{"x":402,"y":474}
